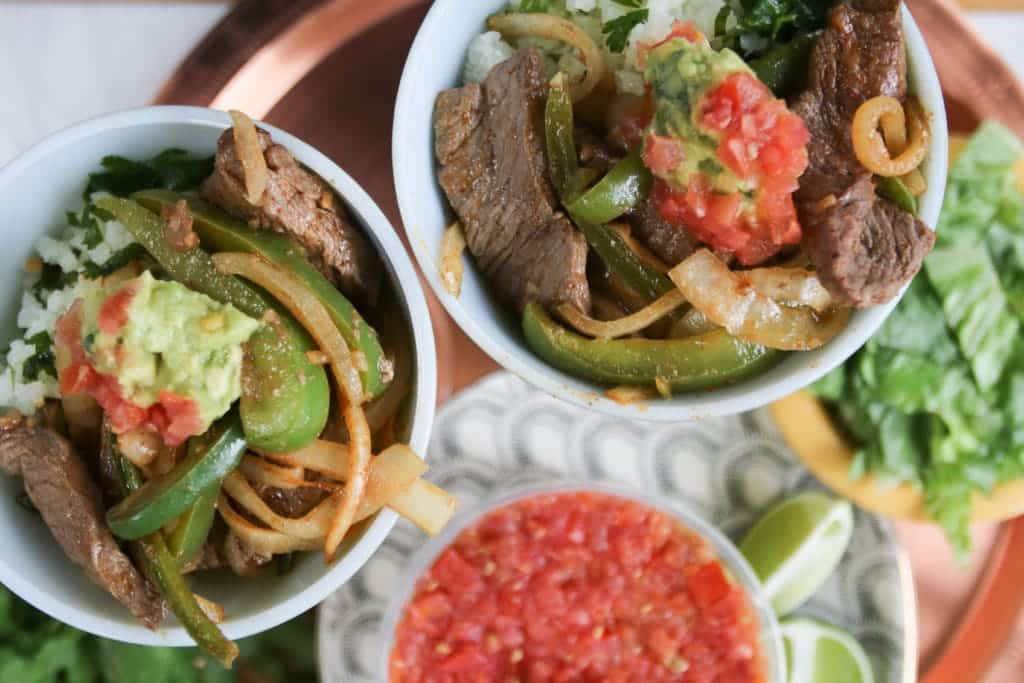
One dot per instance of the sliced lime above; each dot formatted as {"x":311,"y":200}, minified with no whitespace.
{"x":796,"y":547}
{"x":817,"y":653}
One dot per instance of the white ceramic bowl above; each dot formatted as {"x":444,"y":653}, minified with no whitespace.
{"x":724,"y":550}
{"x":434,"y":64}
{"x":35,"y":191}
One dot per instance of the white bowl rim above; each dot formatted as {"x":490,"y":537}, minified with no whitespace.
{"x":740,"y":397}
{"x":392,"y":252}
{"x":726,"y":552}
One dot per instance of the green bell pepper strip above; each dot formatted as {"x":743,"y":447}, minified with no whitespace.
{"x":563,"y":166}
{"x":157,"y":563}
{"x":189,"y":535}
{"x":623,"y":261}
{"x":783,"y":68}
{"x":617,"y":192}
{"x":897,"y":192}
{"x":220,"y":231}
{"x":285,"y":397}
{"x":705,"y":361}
{"x":164,"y":498}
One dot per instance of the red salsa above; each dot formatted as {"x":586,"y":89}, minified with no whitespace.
{"x":725,"y":152}
{"x":577,"y":587}
{"x":173,"y":416}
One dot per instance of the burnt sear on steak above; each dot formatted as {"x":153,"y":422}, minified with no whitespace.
{"x":490,"y":142}
{"x":58,"y":484}
{"x":670,"y":242}
{"x":864,"y":247}
{"x":299,"y":204}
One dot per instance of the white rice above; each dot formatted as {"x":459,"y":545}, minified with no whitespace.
{"x":485,"y":52}
{"x":39,"y":311}
{"x":489,"y":48}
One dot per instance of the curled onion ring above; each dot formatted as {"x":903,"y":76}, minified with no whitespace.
{"x":870,"y":148}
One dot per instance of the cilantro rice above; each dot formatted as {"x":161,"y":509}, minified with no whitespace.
{"x":89,"y":246}
{"x":620,"y":27}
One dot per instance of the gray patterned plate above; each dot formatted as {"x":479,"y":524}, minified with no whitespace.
{"x":500,"y":434}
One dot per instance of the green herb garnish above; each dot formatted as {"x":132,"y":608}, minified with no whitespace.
{"x":172,"y":169}
{"x":534,"y":5}
{"x":616,"y":32}
{"x":42,"y":361}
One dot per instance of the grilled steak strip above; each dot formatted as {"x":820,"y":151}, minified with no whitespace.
{"x":864,"y":248}
{"x":489,"y":139}
{"x":58,"y":484}
{"x":301,"y":205}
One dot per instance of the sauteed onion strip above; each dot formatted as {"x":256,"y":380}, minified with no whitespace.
{"x":887,"y":113}
{"x":730,"y":300}
{"x":283,"y":286}
{"x":623,"y":327}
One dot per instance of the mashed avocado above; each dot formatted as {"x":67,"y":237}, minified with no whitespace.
{"x":680,"y":73}
{"x":157,"y":336}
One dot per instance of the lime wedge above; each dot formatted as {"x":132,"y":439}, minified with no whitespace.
{"x":816,"y":653}
{"x":796,"y":546}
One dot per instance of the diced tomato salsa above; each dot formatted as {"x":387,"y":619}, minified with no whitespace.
{"x":174,"y":417}
{"x":758,"y":140}
{"x":577,"y":587}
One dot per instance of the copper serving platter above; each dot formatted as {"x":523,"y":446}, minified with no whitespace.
{"x":328,"y":71}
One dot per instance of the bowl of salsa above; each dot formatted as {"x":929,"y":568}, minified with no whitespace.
{"x":580,"y":582}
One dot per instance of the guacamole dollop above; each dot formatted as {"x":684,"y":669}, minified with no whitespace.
{"x":725,"y":153}
{"x":681,"y":73}
{"x":165,"y":343}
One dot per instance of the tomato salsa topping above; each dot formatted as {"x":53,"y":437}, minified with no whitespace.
{"x":577,"y":587}
{"x":726,"y":153}
{"x":154,"y":355}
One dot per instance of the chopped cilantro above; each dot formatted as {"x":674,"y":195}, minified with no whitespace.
{"x":616,"y":32}
{"x":52,"y":278}
{"x":42,"y":361}
{"x":710,"y":167}
{"x":116,"y":262}
{"x":172,"y":169}
{"x":774,"y":36}
{"x":534,"y":5}
{"x":91,"y":221}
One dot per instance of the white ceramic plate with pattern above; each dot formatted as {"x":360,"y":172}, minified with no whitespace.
{"x":500,"y":434}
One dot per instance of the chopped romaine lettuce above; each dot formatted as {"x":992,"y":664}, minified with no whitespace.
{"x":936,"y":398}
{"x":975,"y":307}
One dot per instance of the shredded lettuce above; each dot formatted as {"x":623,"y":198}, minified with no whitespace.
{"x":936,"y":398}
{"x":976,"y":307}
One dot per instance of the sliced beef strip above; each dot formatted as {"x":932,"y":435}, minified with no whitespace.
{"x":863,"y":247}
{"x":670,"y":242}
{"x":490,"y":144}
{"x":58,"y":484}
{"x":594,"y":151}
{"x":299,"y":204}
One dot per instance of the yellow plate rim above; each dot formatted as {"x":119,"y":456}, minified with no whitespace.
{"x":811,"y":434}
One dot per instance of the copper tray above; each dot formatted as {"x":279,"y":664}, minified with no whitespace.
{"x":328,"y":71}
